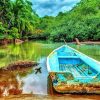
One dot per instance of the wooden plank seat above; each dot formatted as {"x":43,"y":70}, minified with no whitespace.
{"x":73,"y":68}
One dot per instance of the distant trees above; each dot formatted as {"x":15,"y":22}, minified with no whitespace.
{"x":17,"y":18}
{"x":83,"y":22}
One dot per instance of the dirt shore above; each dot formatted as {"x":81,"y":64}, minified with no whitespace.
{"x":48,"y":97}
{"x":88,"y":42}
{"x":91,"y":42}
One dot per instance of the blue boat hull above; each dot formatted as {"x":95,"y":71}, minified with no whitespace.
{"x":71,"y":67}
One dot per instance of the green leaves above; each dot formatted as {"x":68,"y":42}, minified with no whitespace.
{"x":83,"y":22}
{"x":18,"y":20}
{"x":13,"y":33}
{"x":2,"y":31}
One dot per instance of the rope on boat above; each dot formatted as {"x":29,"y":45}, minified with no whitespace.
{"x":65,"y":41}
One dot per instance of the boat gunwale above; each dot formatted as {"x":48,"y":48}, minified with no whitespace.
{"x":48,"y":66}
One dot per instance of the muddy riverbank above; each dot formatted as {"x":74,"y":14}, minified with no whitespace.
{"x":51,"y":97}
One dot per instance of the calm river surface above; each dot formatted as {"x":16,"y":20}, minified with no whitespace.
{"x":27,"y":81}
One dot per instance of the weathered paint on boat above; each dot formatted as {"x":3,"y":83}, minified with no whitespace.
{"x":66,"y":61}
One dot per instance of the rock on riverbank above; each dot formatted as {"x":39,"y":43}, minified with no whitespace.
{"x":20,"y":65}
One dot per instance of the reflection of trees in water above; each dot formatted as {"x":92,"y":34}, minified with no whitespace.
{"x":9,"y":84}
{"x":35,"y":51}
{"x":90,"y":50}
{"x":25,"y":51}
{"x":2,"y":55}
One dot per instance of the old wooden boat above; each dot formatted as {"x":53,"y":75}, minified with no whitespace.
{"x":73,"y":72}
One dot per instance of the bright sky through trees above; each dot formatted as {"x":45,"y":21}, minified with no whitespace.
{"x":52,"y":7}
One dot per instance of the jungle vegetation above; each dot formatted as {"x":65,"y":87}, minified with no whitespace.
{"x":18,"y":20}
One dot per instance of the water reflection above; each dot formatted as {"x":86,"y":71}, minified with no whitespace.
{"x":27,"y":51}
{"x":90,"y":50}
{"x":36,"y":83}
{"x":24,"y":81}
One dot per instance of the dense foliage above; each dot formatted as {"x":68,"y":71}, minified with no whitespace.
{"x":83,"y":22}
{"x":18,"y":20}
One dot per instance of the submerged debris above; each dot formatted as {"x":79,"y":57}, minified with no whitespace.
{"x":20,"y":65}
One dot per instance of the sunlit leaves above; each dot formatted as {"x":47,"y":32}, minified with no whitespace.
{"x":83,"y":22}
{"x":17,"y":15}
{"x":18,"y":20}
{"x":13,"y":33}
